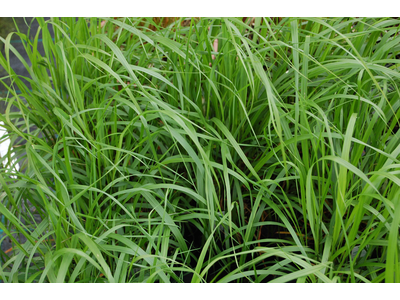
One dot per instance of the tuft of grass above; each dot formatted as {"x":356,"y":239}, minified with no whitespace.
{"x":211,"y":150}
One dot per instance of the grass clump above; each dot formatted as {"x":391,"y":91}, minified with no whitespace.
{"x":211,"y":150}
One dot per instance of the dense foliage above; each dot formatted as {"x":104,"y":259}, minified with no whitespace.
{"x":212,"y":150}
